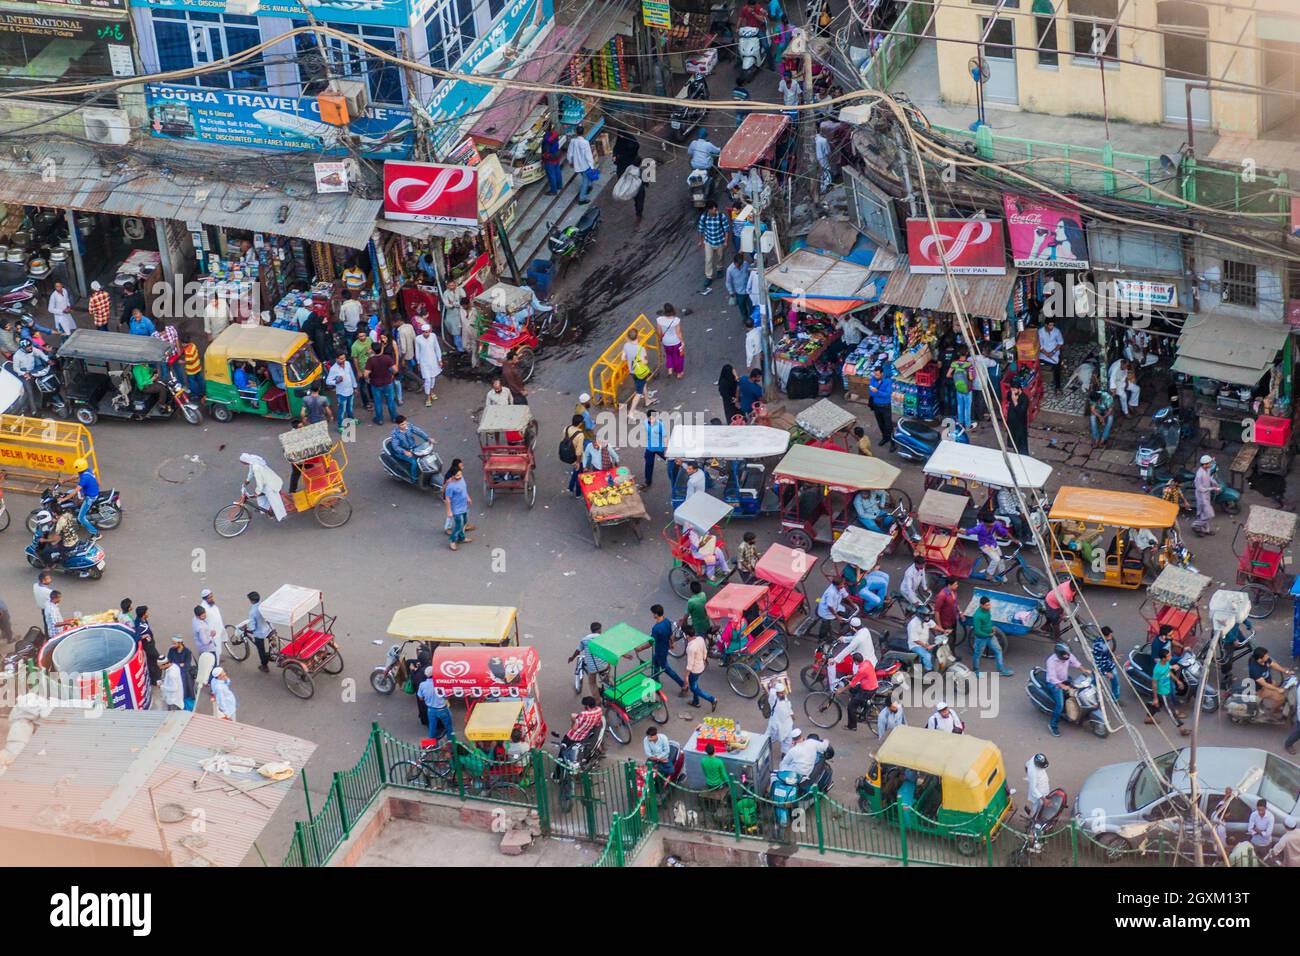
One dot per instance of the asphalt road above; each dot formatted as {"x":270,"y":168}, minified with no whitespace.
{"x":393,"y":552}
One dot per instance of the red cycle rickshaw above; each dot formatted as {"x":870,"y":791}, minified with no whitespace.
{"x":784,"y":570}
{"x":701,"y":513}
{"x":1261,"y":566}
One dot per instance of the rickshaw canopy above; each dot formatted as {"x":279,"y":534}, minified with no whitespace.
{"x":987,"y":466}
{"x":454,"y":623}
{"x":309,"y":441}
{"x":701,"y":511}
{"x":485,"y":671}
{"x":504,"y":418}
{"x":619,"y":640}
{"x":860,"y":547}
{"x":733,"y":600}
{"x":1270,"y":525}
{"x":505,"y":298}
{"x":971,"y":770}
{"x":1115,"y":509}
{"x":835,"y":469}
{"x":1178,"y":587}
{"x":493,"y":719}
{"x":253,"y":343}
{"x":941,"y":509}
{"x":783,"y":565}
{"x":727,"y":442}
{"x":99,"y":345}
{"x":289,"y":604}
{"x":824,"y":418}
{"x":752,"y":139}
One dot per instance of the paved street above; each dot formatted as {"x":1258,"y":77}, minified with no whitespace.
{"x":393,"y":552}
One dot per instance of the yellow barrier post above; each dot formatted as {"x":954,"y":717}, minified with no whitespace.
{"x":608,"y":372}
{"x":37,"y":451}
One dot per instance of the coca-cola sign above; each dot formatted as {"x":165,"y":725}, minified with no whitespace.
{"x":431,"y":192}
{"x":972,"y":247}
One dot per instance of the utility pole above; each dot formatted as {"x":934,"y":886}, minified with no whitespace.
{"x":906,"y":159}
{"x":760,"y":201}
{"x":806,"y":119}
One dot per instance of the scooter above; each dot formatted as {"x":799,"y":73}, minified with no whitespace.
{"x":1138,"y":669}
{"x":398,"y":669}
{"x":105,"y":514}
{"x":1082,"y":704}
{"x":945,"y":661}
{"x":1245,"y":707}
{"x":568,"y":243}
{"x":1158,"y":448}
{"x":685,"y":118}
{"x":676,"y":771}
{"x":428,"y":466}
{"x":915,"y":440}
{"x":702,"y":184}
{"x":749,"y":51}
{"x":1226,"y":499}
{"x":18,"y":292}
{"x":86,"y":559}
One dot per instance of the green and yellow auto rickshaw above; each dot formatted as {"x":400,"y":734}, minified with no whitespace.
{"x":947,"y":785}
{"x":258,"y":370}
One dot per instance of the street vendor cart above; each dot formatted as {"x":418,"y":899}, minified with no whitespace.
{"x":1261,"y":566}
{"x":302,"y":641}
{"x":612,"y":499}
{"x":506,"y":437}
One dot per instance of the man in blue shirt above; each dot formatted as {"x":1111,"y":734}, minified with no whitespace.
{"x":662,"y":633}
{"x":405,"y":438}
{"x":140,"y":324}
{"x":258,"y":629}
{"x":737,"y":282}
{"x":882,"y":404}
{"x":656,"y":443}
{"x":436,"y":703}
{"x":751,"y":391}
{"x":87,"y":491}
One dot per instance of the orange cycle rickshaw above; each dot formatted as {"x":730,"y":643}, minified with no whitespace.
{"x":318,"y":462}
{"x":784,"y":571}
{"x":1261,"y":566}
{"x":701,"y":513}
{"x":816,"y":489}
{"x":506,"y":437}
{"x":750,"y":639}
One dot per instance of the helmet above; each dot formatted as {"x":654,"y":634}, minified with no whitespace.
{"x":43,"y":517}
{"x":1061,"y":650}
{"x":26,"y":345}
{"x":1040,"y":761}
{"x":80,"y":464}
{"x":702,"y":134}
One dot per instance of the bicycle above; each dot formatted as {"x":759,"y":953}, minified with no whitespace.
{"x":553,"y":324}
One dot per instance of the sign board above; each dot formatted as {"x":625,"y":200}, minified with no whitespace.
{"x":872,"y":210}
{"x":1044,"y":237}
{"x":1143,"y":292}
{"x":971,"y":247}
{"x":657,"y":14}
{"x":331,"y":177}
{"x":391,"y":13}
{"x":1295,"y":216}
{"x":431,"y":192}
{"x":496,"y":189}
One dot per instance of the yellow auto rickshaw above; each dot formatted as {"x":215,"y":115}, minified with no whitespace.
{"x":948,"y":785}
{"x":429,"y":626}
{"x":1113,"y":538}
{"x":258,"y":370}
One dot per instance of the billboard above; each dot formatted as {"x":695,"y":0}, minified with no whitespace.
{"x":389,"y":13}
{"x":431,"y":192}
{"x":1044,"y":237}
{"x":972,"y":247}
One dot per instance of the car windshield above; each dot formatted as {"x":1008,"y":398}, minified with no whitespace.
{"x":1145,"y":785}
{"x":1281,"y":783}
{"x":301,"y":364}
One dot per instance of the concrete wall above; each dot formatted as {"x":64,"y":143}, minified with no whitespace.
{"x":26,"y":848}
{"x":1269,"y":280}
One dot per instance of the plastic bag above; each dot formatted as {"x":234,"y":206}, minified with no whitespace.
{"x":628,"y":185}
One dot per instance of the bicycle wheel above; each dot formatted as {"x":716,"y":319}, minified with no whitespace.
{"x":1032,"y":581}
{"x":822,"y":709}
{"x":617,"y":726}
{"x":236,"y":643}
{"x":410,"y":773}
{"x":742,"y":679}
{"x":812,"y":677}
{"x":298,"y":681}
{"x":333,"y":511}
{"x":1262,"y":600}
{"x":232,"y":520}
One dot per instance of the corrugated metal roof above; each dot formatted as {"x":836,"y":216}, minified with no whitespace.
{"x":1228,"y":348}
{"x":92,"y":778}
{"x":985,"y":297}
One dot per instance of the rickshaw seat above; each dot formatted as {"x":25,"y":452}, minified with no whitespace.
{"x":507,"y":461}
{"x":759,"y":640}
{"x":588,"y":219}
{"x":320,"y":474}
{"x":89,"y":387}
{"x":306,"y":644}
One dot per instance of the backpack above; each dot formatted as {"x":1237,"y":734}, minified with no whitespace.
{"x":567,"y":454}
{"x":961,"y":377}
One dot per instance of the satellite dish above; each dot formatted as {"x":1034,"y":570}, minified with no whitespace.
{"x":978,"y":67}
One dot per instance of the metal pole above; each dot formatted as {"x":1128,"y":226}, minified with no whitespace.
{"x":906,"y":160}
{"x":764,"y":306}
{"x":806,"y":118}
{"x":78,"y":266}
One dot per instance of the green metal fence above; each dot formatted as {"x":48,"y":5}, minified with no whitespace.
{"x":897,"y":48}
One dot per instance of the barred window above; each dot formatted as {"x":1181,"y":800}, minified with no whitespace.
{"x":1240,"y":284}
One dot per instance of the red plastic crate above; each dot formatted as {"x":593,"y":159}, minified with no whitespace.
{"x":1272,"y":431}
{"x":927,"y":376}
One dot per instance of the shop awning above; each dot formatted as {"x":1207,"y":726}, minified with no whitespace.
{"x":824,"y":282}
{"x":512,"y":108}
{"x":1227,"y":348}
{"x":985,"y":297}
{"x":423,"y":230}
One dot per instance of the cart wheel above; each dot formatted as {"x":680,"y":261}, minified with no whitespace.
{"x":334,"y":665}
{"x":1032,"y":581}
{"x":526,"y":359}
{"x":967,"y":846}
{"x":410,"y":773}
{"x":382,"y":681}
{"x":595,"y":533}
{"x":1262,"y":600}
{"x":4,"y":516}
{"x":333,"y":511}
{"x":221,"y":413}
{"x":232,"y":520}
{"x":743,"y":680}
{"x":298,"y":680}
{"x":617,"y":726}
{"x":660,"y":714}
{"x":808,"y":678}
{"x":530,"y":491}
{"x":236,"y":643}
{"x":87,"y":415}
{"x":679,"y":579}
{"x":799,"y":539}
{"x":822,"y":709}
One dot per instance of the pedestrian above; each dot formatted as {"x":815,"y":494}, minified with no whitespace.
{"x":551,"y":160}
{"x":173,"y":684}
{"x":712,"y":227}
{"x":53,"y":614}
{"x":100,"y":306}
{"x":737,"y":283}
{"x":985,"y":639}
{"x":791,"y":89}
{"x":626,"y":152}
{"x":453,"y":314}
{"x":513,"y":378}
{"x":740,"y":93}
{"x":193,"y":366}
{"x":1018,"y":419}
{"x":456,"y":493}
{"x":662,"y":635}
{"x":696,"y":610}
{"x":576,"y":437}
{"x":638,"y":367}
{"x":961,"y":374}
{"x":223,"y":697}
{"x":1259,"y":827}
{"x":751,"y":391}
{"x":863,"y":443}
{"x":1162,"y":692}
{"x":206,"y":643}
{"x":1206,"y":486}
{"x":1103,"y":658}
{"x":41,"y":591}
{"x":315,"y":408}
{"x":747,"y":557}
{"x":638,"y":201}
{"x":882,"y":399}
{"x":6,"y":624}
{"x":890,"y":717}
{"x":697,"y":659}
{"x":753,"y":344}
{"x":140,"y":324}
{"x":497,"y":394}
{"x":729,"y":390}
{"x":583,"y":163}
{"x":945,"y":719}
{"x":697,"y":482}
{"x":822,"y":150}
{"x":656,"y":443}
{"x":1050,"y":342}
{"x":343,"y":380}
{"x":1287,"y":850}
{"x":215,"y":618}
{"x":59,"y":305}
{"x":428,"y":356}
{"x":216,"y":316}
{"x":781,"y":730}
{"x":183,"y":658}
{"x":361,"y":350}
{"x":1037,"y":786}
{"x":143,"y":631}
{"x":354,"y":277}
{"x":258,"y":630}
{"x":670,"y":337}
{"x":404,"y":338}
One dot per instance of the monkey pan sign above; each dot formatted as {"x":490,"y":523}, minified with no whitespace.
{"x":1043,"y":237}
{"x":431,"y":192}
{"x":491,"y":672}
{"x":971,"y":247}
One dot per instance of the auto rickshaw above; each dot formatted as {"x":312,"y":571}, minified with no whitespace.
{"x":628,"y":693}
{"x":816,"y":488}
{"x":279,"y":364}
{"x":118,"y":375}
{"x":731,"y":456}
{"x":947,"y":785}
{"x":1093,"y":531}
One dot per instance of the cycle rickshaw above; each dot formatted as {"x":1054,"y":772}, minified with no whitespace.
{"x":703,"y":513}
{"x":301,"y":642}
{"x":816,"y":489}
{"x":1260,"y":567}
{"x":750,"y":639}
{"x":507,"y":435}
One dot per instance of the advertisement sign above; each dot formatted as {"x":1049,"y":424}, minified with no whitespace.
{"x":45,"y":47}
{"x":331,"y":177}
{"x":495,"y":187}
{"x":1044,"y":237}
{"x":431,"y":192}
{"x":656,"y":13}
{"x":90,"y":4}
{"x":267,"y":121}
{"x":389,"y":13}
{"x":1141,"y":292}
{"x":971,"y":247}
{"x":485,"y":671}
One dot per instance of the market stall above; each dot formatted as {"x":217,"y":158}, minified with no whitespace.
{"x":611,"y":499}
{"x":747,"y":754}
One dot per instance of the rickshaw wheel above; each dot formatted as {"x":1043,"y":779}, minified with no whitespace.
{"x":742,"y":680}
{"x":660,"y":714}
{"x":896,"y":495}
{"x":799,"y":539}
{"x":333,"y":511}
{"x":526,"y":359}
{"x":236,"y":643}
{"x":489,"y":494}
{"x":823,"y":709}
{"x":298,"y":680}
{"x":779,"y":662}
{"x":679,"y":579}
{"x":334,"y":664}
{"x":4,"y":517}
{"x":530,"y":491}
{"x":1262,"y":600}
{"x":967,"y":846}
{"x":232,"y":520}
{"x":1032,"y":581}
{"x":618,"y":726}
{"x":221,"y":413}
{"x":410,"y":773}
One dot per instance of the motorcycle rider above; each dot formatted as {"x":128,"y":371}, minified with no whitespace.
{"x":919,"y":631}
{"x":1037,"y":785}
{"x":55,"y":538}
{"x":1057,"y":672}
{"x":913,"y":587}
{"x":87,"y":491}
{"x":404,"y":439}
{"x":29,"y":363}
{"x":859,"y":645}
{"x":804,"y":756}
{"x":701,"y":152}
{"x":1261,"y":667}
{"x":584,"y":723}
{"x":861,"y":687}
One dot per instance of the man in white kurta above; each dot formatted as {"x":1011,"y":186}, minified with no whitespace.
{"x":428,"y":355}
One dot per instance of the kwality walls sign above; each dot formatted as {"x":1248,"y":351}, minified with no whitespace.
{"x":431,"y":192}
{"x":389,"y":13}
{"x":971,"y":247}
{"x":267,"y":121}
{"x":457,"y":98}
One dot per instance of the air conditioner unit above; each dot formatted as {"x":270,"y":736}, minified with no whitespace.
{"x":107,"y":126}
{"x":356,"y":94}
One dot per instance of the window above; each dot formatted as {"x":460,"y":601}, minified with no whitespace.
{"x":187,"y":39}
{"x":37,"y":51}
{"x":1089,"y":34}
{"x":1009,"y":5}
{"x":1145,"y":786}
{"x":1045,"y":31}
{"x":1239,"y":284}
{"x":1281,"y":783}
{"x":495,"y":7}
{"x":450,"y":31}
{"x":384,"y":80}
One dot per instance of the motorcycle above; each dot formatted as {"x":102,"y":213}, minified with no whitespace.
{"x":573,"y":759}
{"x":685,"y":118}
{"x":86,"y":559}
{"x":428,"y":466}
{"x":914,"y":440}
{"x":18,"y":292}
{"x":676,"y":771}
{"x":789,"y":792}
{"x":568,"y":243}
{"x":26,"y":648}
{"x":702,"y":184}
{"x":1138,"y":669}
{"x":398,"y":669}
{"x":897,"y":650}
{"x":1158,"y":448}
{"x":1227,"y":500}
{"x":749,"y":51}
{"x":1245,"y":707}
{"x":1082,"y":701}
{"x":1041,"y":825}
{"x":105,"y":514}
{"x":182,"y":400}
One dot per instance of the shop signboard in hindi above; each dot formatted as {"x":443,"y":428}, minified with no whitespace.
{"x":657,"y":14}
{"x":971,"y":247}
{"x":331,"y":177}
{"x":1044,"y":237}
{"x":266,"y":121}
{"x":1159,"y":295}
{"x":431,"y":192}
